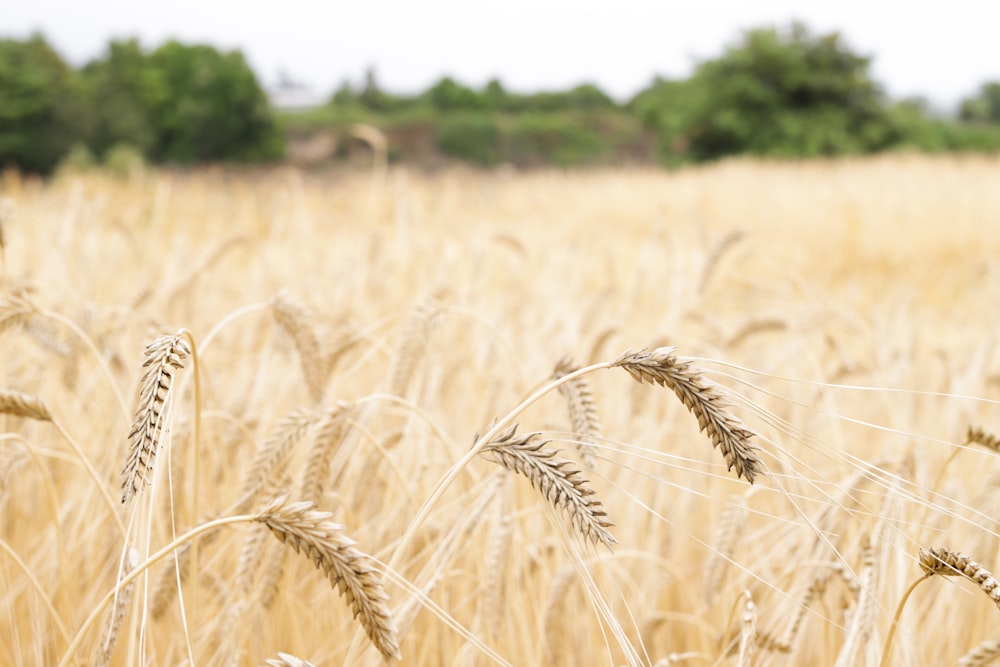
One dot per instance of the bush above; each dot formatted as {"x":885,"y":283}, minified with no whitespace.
{"x":553,"y":138}
{"x":474,"y":137}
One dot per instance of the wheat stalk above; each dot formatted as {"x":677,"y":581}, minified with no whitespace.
{"x":748,"y":631}
{"x":312,"y":533}
{"x":701,"y":397}
{"x":163,"y":357}
{"x":555,"y":478}
{"x":864,"y":610}
{"x":22,"y":405}
{"x":582,"y":409}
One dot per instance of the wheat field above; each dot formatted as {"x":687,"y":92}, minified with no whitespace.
{"x":268,"y":417}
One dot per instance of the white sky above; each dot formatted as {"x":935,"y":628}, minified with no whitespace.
{"x":942,"y":51}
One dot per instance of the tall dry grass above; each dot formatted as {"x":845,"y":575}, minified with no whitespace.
{"x":832,"y":327}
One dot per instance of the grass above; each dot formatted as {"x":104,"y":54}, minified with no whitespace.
{"x":368,"y":344}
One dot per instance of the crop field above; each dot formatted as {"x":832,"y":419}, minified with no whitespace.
{"x":268,"y":417}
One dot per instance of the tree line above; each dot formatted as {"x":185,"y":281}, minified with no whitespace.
{"x":775,"y":92}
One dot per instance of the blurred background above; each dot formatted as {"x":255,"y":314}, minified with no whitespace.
{"x":519,"y":83}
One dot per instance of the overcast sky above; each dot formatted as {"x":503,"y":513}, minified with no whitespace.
{"x":942,"y":51}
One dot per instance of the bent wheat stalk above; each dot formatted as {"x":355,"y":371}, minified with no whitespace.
{"x":946,"y":563}
{"x":725,"y":430}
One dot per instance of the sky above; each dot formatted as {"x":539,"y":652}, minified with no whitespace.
{"x":939,"y":51}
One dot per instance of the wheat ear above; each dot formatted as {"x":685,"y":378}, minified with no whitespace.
{"x":557,"y":479}
{"x":312,"y":533}
{"x":946,"y":563}
{"x":22,"y":405}
{"x":983,"y":654}
{"x":273,"y":454}
{"x":701,"y":397}
{"x":582,"y":409}
{"x":951,"y":563}
{"x":297,"y":322}
{"x":107,"y":647}
{"x":15,"y":310}
{"x":980,"y":436}
{"x":413,"y":345}
{"x":163,"y":357}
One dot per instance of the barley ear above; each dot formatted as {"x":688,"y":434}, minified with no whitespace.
{"x":582,"y":409}
{"x":983,"y":654}
{"x":163,"y":357}
{"x":703,"y":398}
{"x":119,"y":611}
{"x":311,"y":532}
{"x":557,"y":479}
{"x":979,"y":436}
{"x":945,"y":562}
{"x":22,"y":405}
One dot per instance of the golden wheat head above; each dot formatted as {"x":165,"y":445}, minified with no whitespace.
{"x":557,"y":479}
{"x":703,"y":398}
{"x":163,"y":357}
{"x":311,"y":532}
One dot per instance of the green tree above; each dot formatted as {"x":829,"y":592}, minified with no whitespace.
{"x":448,"y":95}
{"x":42,"y":112}
{"x":124,"y":89}
{"x":212,"y":107}
{"x":984,"y":107}
{"x":787,"y":93}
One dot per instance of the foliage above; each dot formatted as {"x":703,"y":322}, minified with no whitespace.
{"x":477,"y":138}
{"x":213,"y":109}
{"x":42,"y":112}
{"x":538,"y":138}
{"x":984,"y":107}
{"x":123,"y":91}
{"x":787,"y":93}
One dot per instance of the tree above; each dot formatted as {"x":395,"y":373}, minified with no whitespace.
{"x":212,"y":107}
{"x":124,"y":89}
{"x":448,"y":95}
{"x":42,"y":112}
{"x":983,"y":107}
{"x":787,"y":93}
